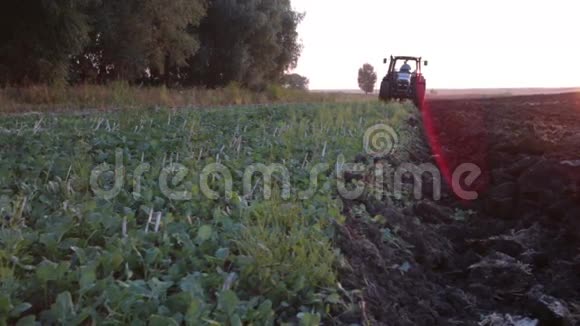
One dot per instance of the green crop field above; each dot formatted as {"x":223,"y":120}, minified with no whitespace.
{"x":142,"y":216}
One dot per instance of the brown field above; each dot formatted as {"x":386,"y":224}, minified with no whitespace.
{"x":495,"y":92}
{"x":513,"y":254}
{"x":42,"y":98}
{"x":449,"y":93}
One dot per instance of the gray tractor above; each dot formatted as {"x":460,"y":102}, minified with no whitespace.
{"x":404,"y":83}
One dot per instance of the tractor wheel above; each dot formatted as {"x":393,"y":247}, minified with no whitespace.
{"x":384,"y":93}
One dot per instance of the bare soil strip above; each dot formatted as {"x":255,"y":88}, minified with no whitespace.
{"x":515,"y":260}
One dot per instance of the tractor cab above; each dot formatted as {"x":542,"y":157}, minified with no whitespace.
{"x":404,"y":73}
{"x":404,"y":80}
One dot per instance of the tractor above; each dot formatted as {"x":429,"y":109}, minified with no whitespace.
{"x":404,"y":83}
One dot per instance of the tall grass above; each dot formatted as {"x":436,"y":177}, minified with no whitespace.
{"x":290,"y":251}
{"x":42,"y":98}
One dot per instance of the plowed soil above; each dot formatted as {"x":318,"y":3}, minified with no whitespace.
{"x":514,"y":259}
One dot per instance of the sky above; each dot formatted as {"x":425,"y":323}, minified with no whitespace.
{"x":469,"y":44}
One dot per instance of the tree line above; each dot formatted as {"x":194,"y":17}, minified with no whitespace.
{"x":208,"y":43}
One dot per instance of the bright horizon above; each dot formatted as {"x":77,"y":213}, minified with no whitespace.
{"x":469,"y":44}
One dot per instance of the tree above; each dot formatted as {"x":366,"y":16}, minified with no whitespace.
{"x":367,"y":78}
{"x":135,"y":39}
{"x":295,"y":81}
{"x":176,"y":42}
{"x":37,"y":38}
{"x":252,"y":42}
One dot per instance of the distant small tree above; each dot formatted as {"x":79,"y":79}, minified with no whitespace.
{"x":367,"y":78}
{"x":295,"y":81}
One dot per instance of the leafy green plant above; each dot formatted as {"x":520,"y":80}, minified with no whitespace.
{"x":289,"y":255}
{"x":69,"y":257}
